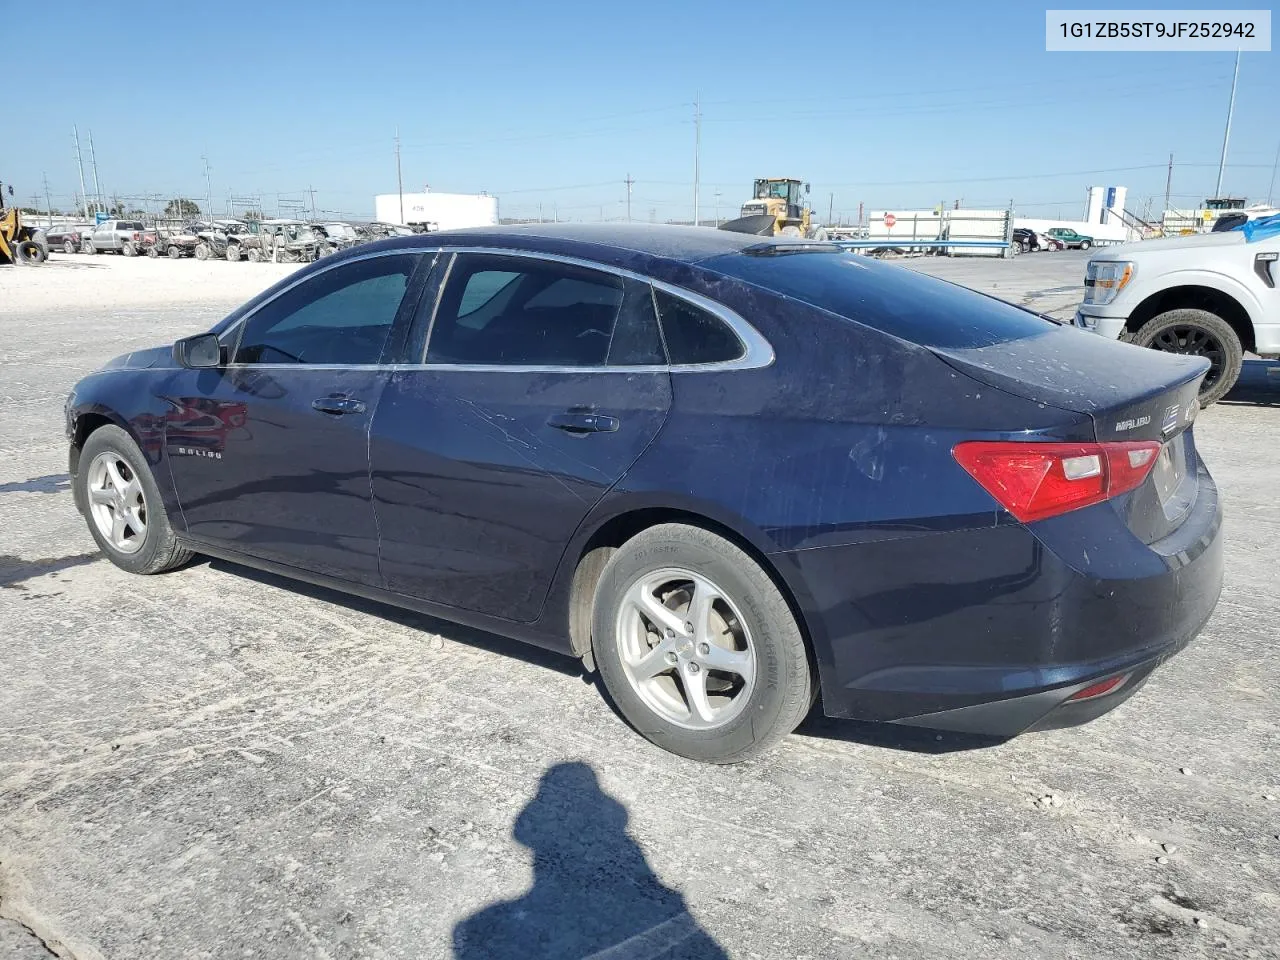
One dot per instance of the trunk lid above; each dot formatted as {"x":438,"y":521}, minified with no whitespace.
{"x":1131,"y":393}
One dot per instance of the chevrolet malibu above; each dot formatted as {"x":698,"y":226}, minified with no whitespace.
{"x":732,"y":475}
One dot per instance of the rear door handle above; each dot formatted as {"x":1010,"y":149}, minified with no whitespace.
{"x":581,"y":423}
{"x":338,"y":405}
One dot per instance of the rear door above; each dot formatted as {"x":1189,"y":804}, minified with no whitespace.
{"x":542,"y":383}
{"x":270,"y":454}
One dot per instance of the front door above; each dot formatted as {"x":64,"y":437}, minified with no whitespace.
{"x":269,"y":455}
{"x":543,"y":384}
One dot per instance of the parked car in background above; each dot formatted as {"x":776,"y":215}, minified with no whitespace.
{"x":334,"y":236}
{"x":117,"y":236}
{"x":1069,"y":238}
{"x":1211,"y":295}
{"x":1026,"y":239}
{"x":69,"y":238}
{"x":605,"y":440}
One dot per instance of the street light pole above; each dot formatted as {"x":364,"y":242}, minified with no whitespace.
{"x":1226,"y":135}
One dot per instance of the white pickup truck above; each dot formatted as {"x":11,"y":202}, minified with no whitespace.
{"x":1213,"y":295}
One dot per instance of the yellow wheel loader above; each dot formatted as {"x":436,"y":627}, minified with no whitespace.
{"x":18,"y":243}
{"x":778,"y":208}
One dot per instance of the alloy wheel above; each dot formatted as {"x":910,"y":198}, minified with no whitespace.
{"x":117,"y":503}
{"x":1195,"y":341}
{"x":686,"y":649}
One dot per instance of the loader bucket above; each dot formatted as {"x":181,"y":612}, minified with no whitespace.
{"x":759,"y":225}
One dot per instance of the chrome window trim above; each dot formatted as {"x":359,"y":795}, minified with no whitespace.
{"x":757,"y":351}
{"x":238,"y":327}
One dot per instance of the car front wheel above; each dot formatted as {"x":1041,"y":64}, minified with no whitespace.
{"x":119,"y":497}
{"x":1198,"y":333}
{"x":1085,"y":244}
{"x":697,"y":647}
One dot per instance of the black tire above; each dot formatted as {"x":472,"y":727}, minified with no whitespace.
{"x":89,"y":247}
{"x":1197,"y":333}
{"x":153,"y":253}
{"x":203,"y":251}
{"x":160,"y":550}
{"x":69,"y":246}
{"x":1085,"y":244}
{"x":28,"y":253}
{"x":128,"y":249}
{"x":233,"y":253}
{"x":174,"y":252}
{"x":783,"y":688}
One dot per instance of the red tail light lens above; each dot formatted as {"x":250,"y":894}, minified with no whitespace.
{"x":1099,"y":689}
{"x":1038,"y":480}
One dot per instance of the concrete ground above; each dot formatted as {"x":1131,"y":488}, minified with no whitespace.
{"x":217,"y":763}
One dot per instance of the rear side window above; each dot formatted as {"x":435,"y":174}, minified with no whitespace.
{"x":512,"y":311}
{"x":694,"y":335}
{"x":892,"y":299}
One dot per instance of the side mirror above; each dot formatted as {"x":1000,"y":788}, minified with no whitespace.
{"x":201,"y":352}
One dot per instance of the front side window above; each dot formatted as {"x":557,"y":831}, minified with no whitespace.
{"x":520,"y":311}
{"x":342,"y":316}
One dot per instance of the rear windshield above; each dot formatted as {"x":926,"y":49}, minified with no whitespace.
{"x":900,"y":302}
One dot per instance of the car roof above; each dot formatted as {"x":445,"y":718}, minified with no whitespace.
{"x":604,"y":241}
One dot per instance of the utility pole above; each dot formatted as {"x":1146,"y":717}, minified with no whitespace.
{"x":93,"y":163}
{"x":628,"y":182}
{"x":1273,"y":175}
{"x":1226,"y":135}
{"x":831,"y":205}
{"x":208,"y":190}
{"x":1168,"y":183}
{"x":697,"y":153}
{"x":48,"y":204}
{"x":399,"y":178}
{"x":84,"y":199}
{"x":311,"y":190}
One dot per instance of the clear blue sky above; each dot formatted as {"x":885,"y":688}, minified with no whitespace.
{"x":893,"y":104}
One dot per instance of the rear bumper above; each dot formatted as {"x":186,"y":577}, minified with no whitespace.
{"x":990,"y":631}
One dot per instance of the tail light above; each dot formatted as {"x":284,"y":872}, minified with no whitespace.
{"x":1038,"y":480}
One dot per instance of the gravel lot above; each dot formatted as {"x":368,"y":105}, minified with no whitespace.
{"x":217,"y":763}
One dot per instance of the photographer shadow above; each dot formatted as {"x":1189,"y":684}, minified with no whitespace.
{"x":593,"y":893}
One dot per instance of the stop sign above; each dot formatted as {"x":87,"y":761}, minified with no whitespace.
{"x":890,"y":220}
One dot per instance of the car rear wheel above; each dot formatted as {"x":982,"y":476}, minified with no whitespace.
{"x":697,"y":647}
{"x":69,"y":246}
{"x":120,"y":500}
{"x":1198,"y":333}
{"x":128,"y":249}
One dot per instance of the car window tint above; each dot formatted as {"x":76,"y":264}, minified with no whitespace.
{"x":903,"y":303}
{"x":636,"y":340}
{"x":525,"y":312}
{"x":341,"y":316}
{"x":482,"y":286}
{"x":693,"y":335}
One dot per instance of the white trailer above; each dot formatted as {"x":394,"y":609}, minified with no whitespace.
{"x":440,"y":211}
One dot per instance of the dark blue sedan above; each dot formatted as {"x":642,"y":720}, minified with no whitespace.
{"x":730,"y":474}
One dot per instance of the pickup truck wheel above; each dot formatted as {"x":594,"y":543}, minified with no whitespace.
{"x":69,"y":246}
{"x":89,"y":247}
{"x":128,"y":249}
{"x":1198,"y":333}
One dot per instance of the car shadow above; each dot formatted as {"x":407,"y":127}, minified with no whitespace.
{"x":471,"y":636}
{"x":815,"y":725}
{"x":594,"y":893}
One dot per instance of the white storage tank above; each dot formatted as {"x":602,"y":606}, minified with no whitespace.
{"x":444,"y":211}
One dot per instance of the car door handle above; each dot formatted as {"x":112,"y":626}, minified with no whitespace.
{"x":338,"y":405}
{"x":581,"y":423}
